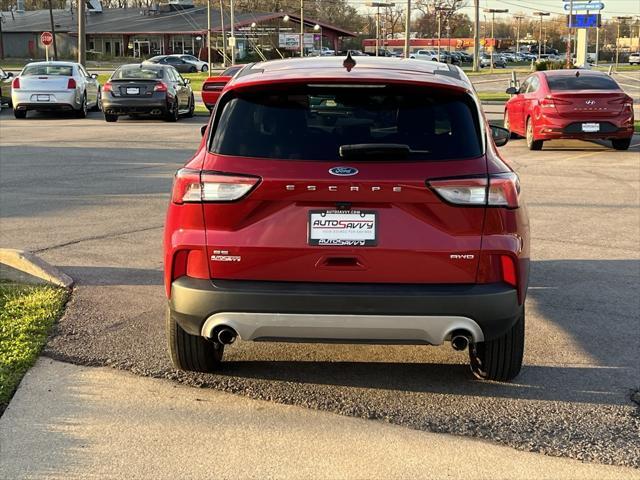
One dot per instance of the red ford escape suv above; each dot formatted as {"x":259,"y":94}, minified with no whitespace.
{"x":348,"y":201}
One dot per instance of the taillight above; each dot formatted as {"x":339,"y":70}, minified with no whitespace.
{"x":160,"y":87}
{"x":551,"y":102}
{"x":107,"y":87}
{"x":16,"y":83}
{"x":501,"y":190}
{"x":191,"y":186}
{"x":213,"y":86}
{"x":71,"y":83}
{"x":626,"y":102}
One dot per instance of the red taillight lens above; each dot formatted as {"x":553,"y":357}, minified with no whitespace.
{"x":508,"y":270}
{"x":107,"y":87}
{"x":160,"y":87}
{"x":71,"y":83}
{"x":502,"y":190}
{"x":192,"y":186}
{"x":16,"y":83}
{"x":211,"y":87}
{"x":626,"y":102}
{"x":551,"y":102}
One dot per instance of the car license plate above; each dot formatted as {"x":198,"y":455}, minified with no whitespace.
{"x":590,"y":127}
{"x":42,"y":98}
{"x":353,"y":228}
{"x":133,"y":91}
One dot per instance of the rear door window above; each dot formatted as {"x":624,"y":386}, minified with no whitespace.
{"x":581,"y":82}
{"x":312,"y":123}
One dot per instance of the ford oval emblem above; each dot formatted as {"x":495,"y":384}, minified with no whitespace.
{"x":343,"y":171}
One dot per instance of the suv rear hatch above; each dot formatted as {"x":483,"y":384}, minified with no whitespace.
{"x":333,"y":185}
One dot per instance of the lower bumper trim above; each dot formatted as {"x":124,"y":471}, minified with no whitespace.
{"x":388,"y":329}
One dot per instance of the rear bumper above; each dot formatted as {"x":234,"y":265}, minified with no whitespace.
{"x":369,"y":313}
{"x":127,"y":105}
{"x":554,"y":128}
{"x":59,"y":101}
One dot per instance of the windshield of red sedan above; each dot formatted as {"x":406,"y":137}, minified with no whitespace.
{"x":582,"y":82}
{"x":314,"y":123}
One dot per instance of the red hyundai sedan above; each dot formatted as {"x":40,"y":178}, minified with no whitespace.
{"x":212,"y":86}
{"x":348,"y":201}
{"x":578,"y":104}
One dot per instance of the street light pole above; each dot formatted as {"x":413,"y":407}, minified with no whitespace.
{"x":407,"y":30}
{"x":302,"y":28}
{"x":232,"y":38}
{"x":82,"y":35}
{"x":209,"y":36}
{"x":518,"y":19}
{"x":377,"y":5}
{"x":439,"y":11}
{"x":620,"y":20}
{"x":541,"y":14}
{"x":493,"y":12}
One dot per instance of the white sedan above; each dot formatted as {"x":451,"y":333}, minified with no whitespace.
{"x":54,"y":86}
{"x":201,"y":66}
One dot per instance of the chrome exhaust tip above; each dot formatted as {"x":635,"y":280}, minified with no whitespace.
{"x":226,"y":335}
{"x":460,"y":341}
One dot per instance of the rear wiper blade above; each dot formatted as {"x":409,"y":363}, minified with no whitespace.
{"x":374,"y":150}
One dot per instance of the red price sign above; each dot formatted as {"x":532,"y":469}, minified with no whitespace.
{"x":46,"y":38}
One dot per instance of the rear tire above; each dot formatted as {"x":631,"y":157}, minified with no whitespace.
{"x":205,"y":68}
{"x":191,"y":352}
{"x":82,"y":113}
{"x":192,"y":107}
{"x":621,"y":143}
{"x":506,"y":124}
{"x":173,"y":113}
{"x":110,"y":118}
{"x":20,"y":113}
{"x":499,"y":359}
{"x":531,"y":142}
{"x":96,"y":107}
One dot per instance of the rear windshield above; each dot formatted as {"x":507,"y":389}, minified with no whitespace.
{"x":138,"y":72}
{"x":314,"y":122}
{"x":582,"y":82}
{"x":62,"y":70}
{"x":230,"y":72}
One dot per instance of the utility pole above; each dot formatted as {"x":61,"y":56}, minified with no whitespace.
{"x":493,"y":12}
{"x":476,"y":35}
{"x":82,"y":34}
{"x":209,"y":34}
{"x":377,"y":5}
{"x":232,"y":38}
{"x":224,"y":37}
{"x":53,"y":32}
{"x":1,"y":37}
{"x":540,"y":14}
{"x":439,"y":11}
{"x":518,"y":18}
{"x":302,"y":28}
{"x":407,"y":30}
{"x":620,"y":20}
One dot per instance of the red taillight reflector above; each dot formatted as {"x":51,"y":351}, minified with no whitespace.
{"x":16,"y":83}
{"x":71,"y":83}
{"x":213,"y":86}
{"x":191,"y":186}
{"x":502,"y":190}
{"x":508,"y":270}
{"x":160,"y":87}
{"x":107,"y":87}
{"x":551,"y":102}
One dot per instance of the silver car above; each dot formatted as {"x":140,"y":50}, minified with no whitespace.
{"x":55,"y":86}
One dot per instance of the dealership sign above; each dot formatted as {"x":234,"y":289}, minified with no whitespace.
{"x":580,"y":6}
{"x":291,"y":41}
{"x":584,"y":20}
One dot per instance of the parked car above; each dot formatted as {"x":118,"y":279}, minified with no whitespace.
{"x":309,"y":213}
{"x":485,"y":61}
{"x":213,"y":86}
{"x":326,"y":51}
{"x":5,"y":88}
{"x":174,"y":61}
{"x":634,"y":58}
{"x":201,"y":65}
{"x":54,"y":86}
{"x":578,"y":104}
{"x":465,"y":57}
{"x":425,"y":55}
{"x":147,"y":89}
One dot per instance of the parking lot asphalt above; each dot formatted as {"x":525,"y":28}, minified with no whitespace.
{"x":90,"y":198}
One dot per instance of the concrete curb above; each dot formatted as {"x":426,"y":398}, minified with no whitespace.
{"x":23,"y":266}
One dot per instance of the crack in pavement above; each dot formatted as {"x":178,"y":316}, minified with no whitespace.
{"x":97,"y":237}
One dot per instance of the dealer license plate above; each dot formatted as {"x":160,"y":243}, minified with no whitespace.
{"x":353,"y":228}
{"x":133,"y":91}
{"x":590,"y":127}
{"x":43,"y":98}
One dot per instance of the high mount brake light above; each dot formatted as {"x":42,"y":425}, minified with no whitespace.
{"x":191,"y":186}
{"x":499,"y":190}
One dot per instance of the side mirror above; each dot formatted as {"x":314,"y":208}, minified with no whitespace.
{"x":203,"y":130}
{"x":500,"y":135}
{"x":187,"y":81}
{"x":9,"y":74}
{"x":512,"y":91}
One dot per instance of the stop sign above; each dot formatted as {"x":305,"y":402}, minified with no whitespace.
{"x":46,"y":38}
